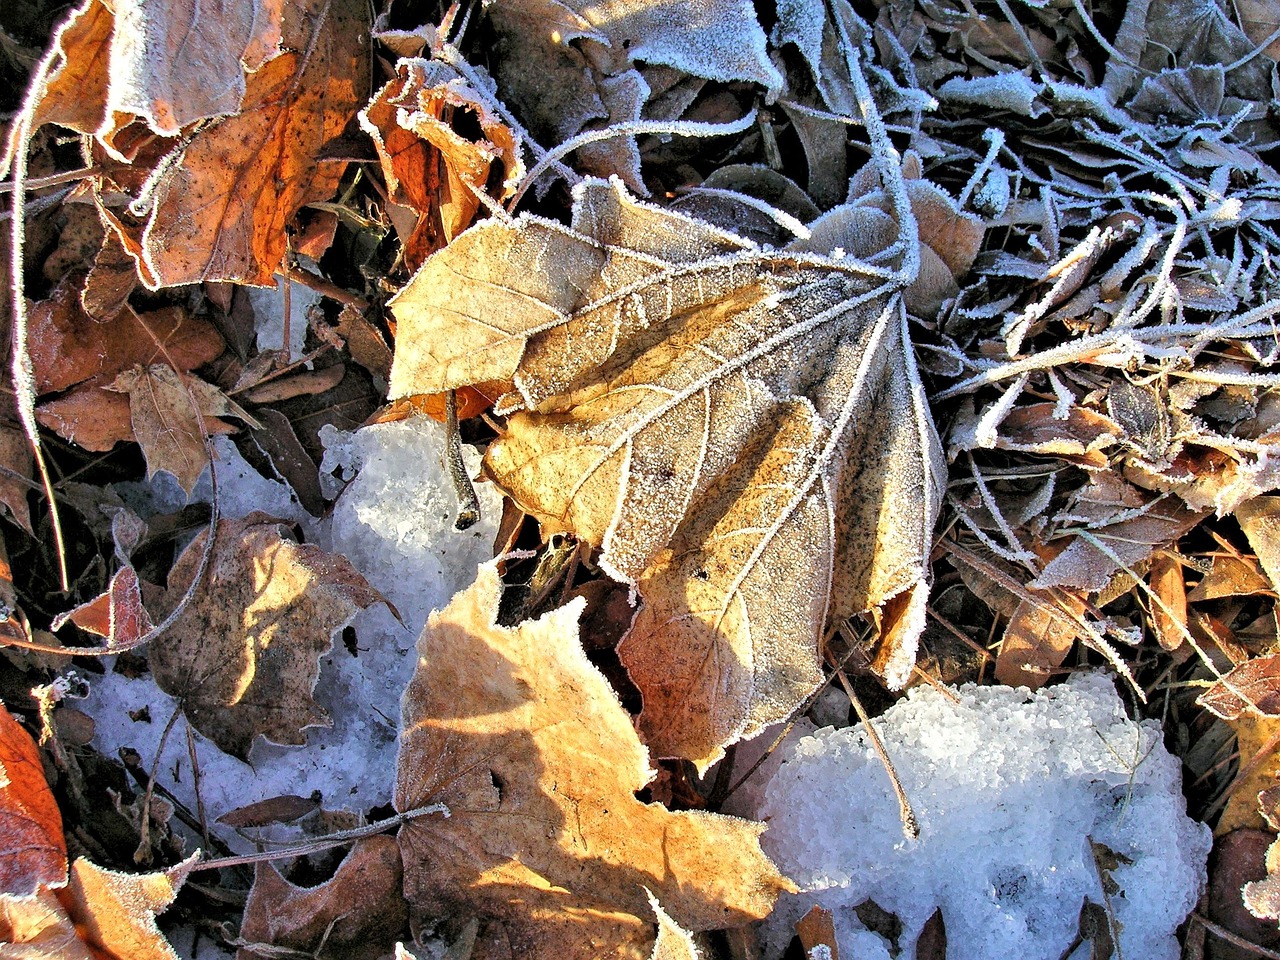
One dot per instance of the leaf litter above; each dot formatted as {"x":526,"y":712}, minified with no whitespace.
{"x":713,"y":361}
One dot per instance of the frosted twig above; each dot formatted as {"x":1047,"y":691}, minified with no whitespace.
{"x":1234,"y":939}
{"x":995,"y":143}
{"x":910,"y":825}
{"x":780,"y":217}
{"x":888,"y":166}
{"x":1098,"y":544}
{"x":24,"y":384}
{"x":305,"y":847}
{"x":630,"y":128}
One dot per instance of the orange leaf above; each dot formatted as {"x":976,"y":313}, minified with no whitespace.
{"x":521,"y":739}
{"x":33,"y":852}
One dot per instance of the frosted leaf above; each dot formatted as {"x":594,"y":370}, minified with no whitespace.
{"x":742,"y":432}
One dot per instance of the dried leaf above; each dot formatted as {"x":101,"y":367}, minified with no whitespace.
{"x":1168,"y":601}
{"x":1097,"y":555}
{"x":1257,"y":737}
{"x":358,"y":914}
{"x":522,"y":740}
{"x":68,"y":347}
{"x":1260,"y":520}
{"x":1036,"y":642}
{"x":171,"y":416}
{"x":743,"y":432}
{"x":170,"y":64}
{"x":33,"y":853}
{"x":410,"y":122}
{"x":1230,"y":576}
{"x":243,"y":656}
{"x":223,"y":196}
{"x":118,"y":614}
{"x":100,"y":915}
{"x":585,"y":54}
{"x":817,"y":928}
{"x":115,"y":912}
{"x":1254,"y":684}
{"x":673,"y":941}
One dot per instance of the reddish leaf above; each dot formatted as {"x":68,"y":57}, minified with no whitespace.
{"x":33,"y":853}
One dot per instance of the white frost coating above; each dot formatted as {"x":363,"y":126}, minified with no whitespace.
{"x":1008,"y":787}
{"x":395,"y":523}
{"x":1004,"y":91}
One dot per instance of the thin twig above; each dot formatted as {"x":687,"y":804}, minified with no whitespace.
{"x":910,"y":825}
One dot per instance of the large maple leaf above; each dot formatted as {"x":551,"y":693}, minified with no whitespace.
{"x":535,"y":766}
{"x":741,"y":430}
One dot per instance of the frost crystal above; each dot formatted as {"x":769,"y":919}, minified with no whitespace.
{"x":1009,"y":788}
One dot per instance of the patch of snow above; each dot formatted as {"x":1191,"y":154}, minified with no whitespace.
{"x":1009,"y":788}
{"x":268,"y":314}
{"x":241,"y":490}
{"x":394,"y":521}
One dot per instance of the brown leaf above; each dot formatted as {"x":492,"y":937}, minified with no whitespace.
{"x":358,"y":914}
{"x":171,"y":416}
{"x":225,"y":194}
{"x":15,"y":455}
{"x":171,"y":63}
{"x":115,"y":912}
{"x":1230,"y":576}
{"x":673,"y":941}
{"x":1168,"y":601}
{"x":1094,"y":557}
{"x":585,"y":53}
{"x":33,"y":853}
{"x":1239,"y":858}
{"x":117,"y":614}
{"x":522,"y":740}
{"x":429,"y":167}
{"x":1257,"y":737}
{"x":1260,"y":520}
{"x":91,"y":417}
{"x":243,"y":656}
{"x":817,"y":928}
{"x":1036,"y":642}
{"x":68,"y":347}
{"x":1254,"y":684}
{"x":742,"y":432}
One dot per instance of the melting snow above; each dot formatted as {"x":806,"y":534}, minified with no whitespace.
{"x":1009,"y":788}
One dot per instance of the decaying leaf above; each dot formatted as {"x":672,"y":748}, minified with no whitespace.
{"x":33,"y":852}
{"x":1260,"y":521}
{"x":433,"y":173}
{"x":99,"y":915}
{"x":47,"y":913}
{"x":358,"y":914}
{"x":1254,"y":685}
{"x":157,"y":61}
{"x":243,"y":656}
{"x":586,"y":56}
{"x":536,"y":766}
{"x":742,"y":431}
{"x":171,"y":417}
{"x":673,"y":941}
{"x":279,"y":82}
